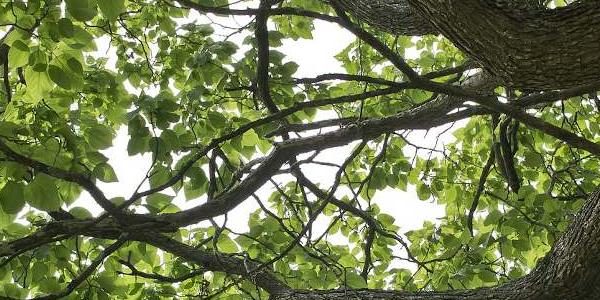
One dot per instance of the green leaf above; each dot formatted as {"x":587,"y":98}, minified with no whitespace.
{"x":12,"y":197}
{"x":80,"y":213}
{"x":378,"y":180}
{"x":137,"y":145}
{"x":386,"y":219}
{"x":423,"y":191}
{"x":226,"y":245}
{"x":107,"y":281}
{"x":354,"y":281}
{"x":192,"y":192}
{"x":99,"y":136}
{"x":66,"y":72}
{"x":111,"y":8}
{"x":82,"y":39}
{"x":39,"y":83}
{"x":17,"y":229}
{"x":49,"y":285}
{"x":60,"y":77}
{"x":42,"y":193}
{"x":12,"y":290}
{"x":347,"y":261}
{"x":157,"y":202}
{"x":105,"y":172}
{"x":82,"y":10}
{"x":26,"y":21}
{"x":216,"y":120}
{"x":250,"y":138}
{"x":6,"y":220}
{"x":488,"y":276}
{"x":65,"y":27}
{"x":39,"y":271}
{"x":18,"y":55}
{"x":522,"y":245}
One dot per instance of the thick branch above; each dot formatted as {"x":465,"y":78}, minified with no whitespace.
{"x":528,"y":46}
{"x":426,"y":116}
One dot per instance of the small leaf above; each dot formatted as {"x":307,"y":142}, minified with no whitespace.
{"x":423,"y":191}
{"x":216,"y":120}
{"x":137,"y":145}
{"x":105,"y":173}
{"x":80,"y":213}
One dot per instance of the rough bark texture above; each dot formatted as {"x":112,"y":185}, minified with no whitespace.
{"x":569,"y":271}
{"x":526,"y":45}
{"x":391,"y":16}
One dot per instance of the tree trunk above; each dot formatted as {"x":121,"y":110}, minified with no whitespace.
{"x":571,"y":270}
{"x":529,"y":47}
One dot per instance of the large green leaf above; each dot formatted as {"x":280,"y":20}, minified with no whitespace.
{"x":65,"y":27}
{"x":42,"y":193}
{"x":18,"y":54}
{"x":82,"y":10}
{"x":12,"y":197}
{"x":112,"y":8}
{"x":39,"y":81}
{"x":99,"y":136}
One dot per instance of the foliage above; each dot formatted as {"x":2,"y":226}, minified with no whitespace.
{"x":194,"y":101}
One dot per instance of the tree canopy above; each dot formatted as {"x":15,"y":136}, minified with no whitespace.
{"x":513,"y":81}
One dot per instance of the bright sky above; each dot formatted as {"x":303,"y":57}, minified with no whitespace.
{"x":314,"y":57}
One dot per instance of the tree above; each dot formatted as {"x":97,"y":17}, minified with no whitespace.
{"x":518,"y":184}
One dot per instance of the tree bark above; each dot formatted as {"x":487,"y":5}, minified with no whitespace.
{"x":571,"y":270}
{"x":396,"y":17}
{"x":526,"y":45}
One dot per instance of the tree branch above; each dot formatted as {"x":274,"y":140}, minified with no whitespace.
{"x":88,"y":271}
{"x":223,"y":263}
{"x":77,"y":178}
